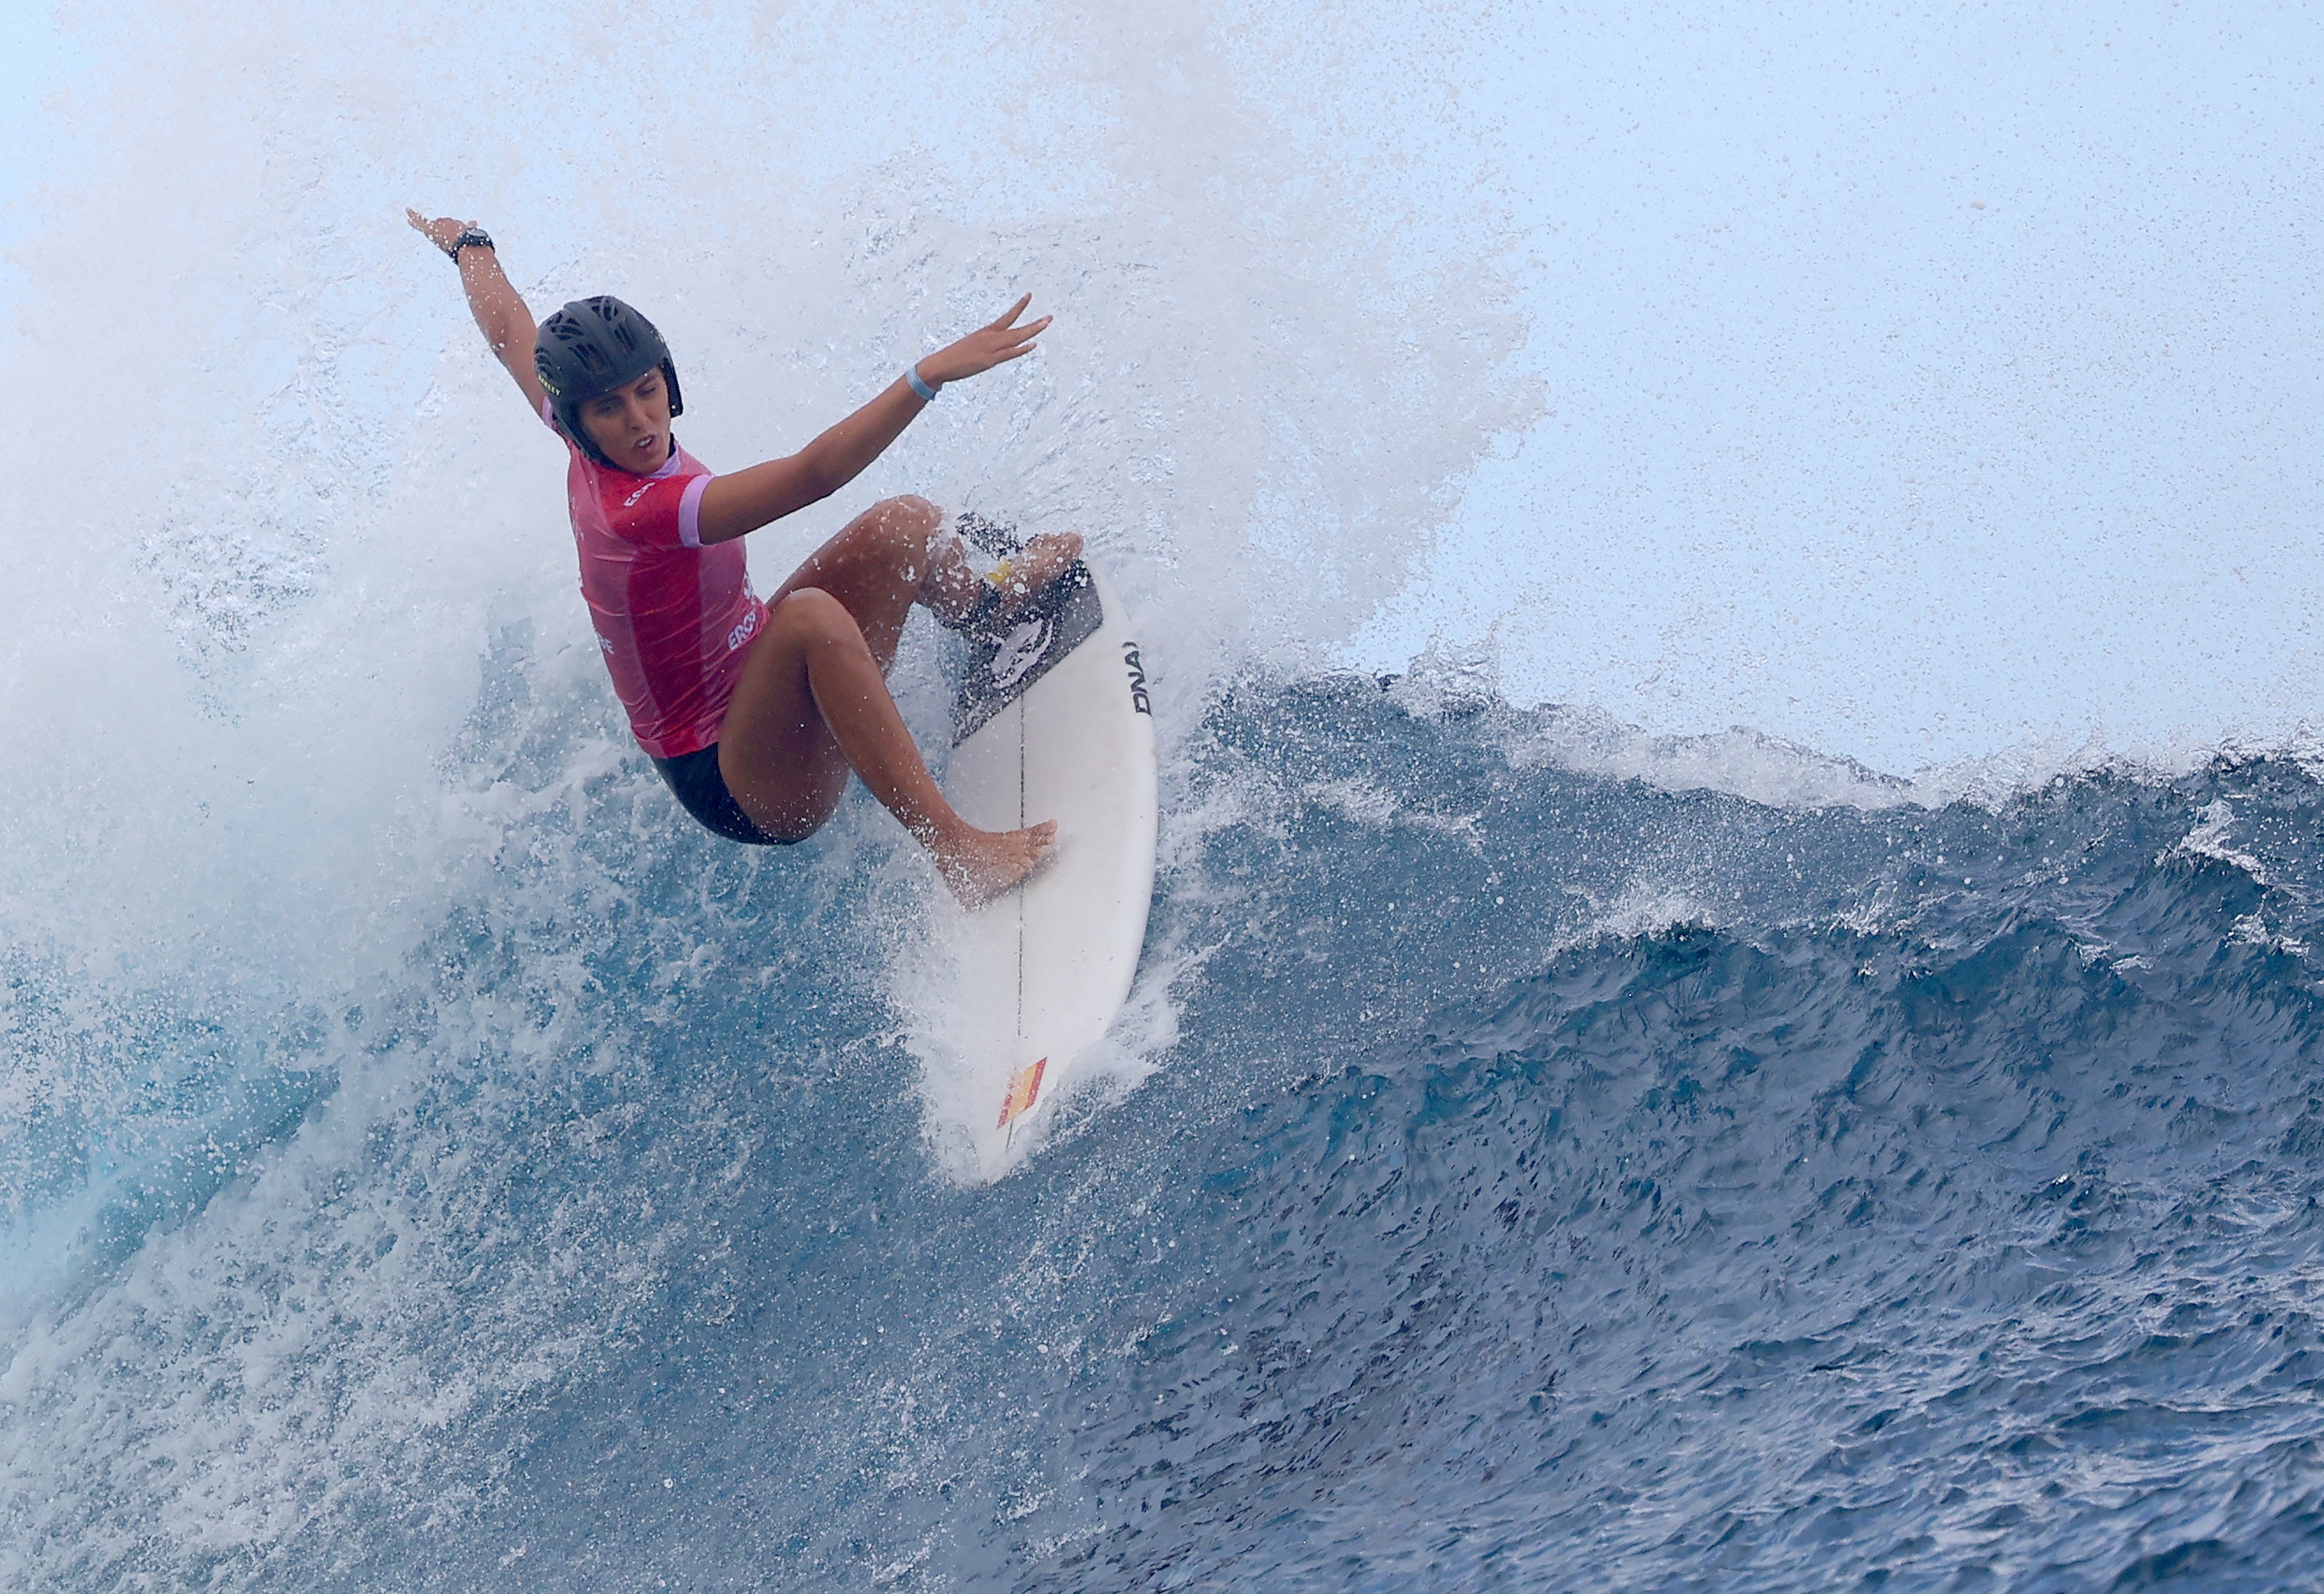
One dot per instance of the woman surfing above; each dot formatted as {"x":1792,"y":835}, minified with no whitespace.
{"x":755,"y":712}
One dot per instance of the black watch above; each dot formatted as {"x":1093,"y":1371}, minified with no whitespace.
{"x":469,"y":235}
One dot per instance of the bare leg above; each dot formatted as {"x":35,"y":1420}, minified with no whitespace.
{"x":813,"y":701}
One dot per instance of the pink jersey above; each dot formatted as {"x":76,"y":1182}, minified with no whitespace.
{"x":674,"y":619}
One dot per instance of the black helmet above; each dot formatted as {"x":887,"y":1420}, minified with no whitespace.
{"x":590,"y":347}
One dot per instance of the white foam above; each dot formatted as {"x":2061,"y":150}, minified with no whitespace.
{"x":1762,"y":768}
{"x":297,"y":504}
{"x":2213,"y":838}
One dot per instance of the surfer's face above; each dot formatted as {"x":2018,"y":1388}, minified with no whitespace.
{"x":631,"y":425}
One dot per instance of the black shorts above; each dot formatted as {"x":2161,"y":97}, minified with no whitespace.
{"x":701,"y":791}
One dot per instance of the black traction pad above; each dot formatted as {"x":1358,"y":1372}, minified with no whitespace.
{"x":1003,"y":663}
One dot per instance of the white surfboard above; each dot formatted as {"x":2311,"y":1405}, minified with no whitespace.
{"x":1052,"y":722}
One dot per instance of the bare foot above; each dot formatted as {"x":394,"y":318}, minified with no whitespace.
{"x":962,"y":600}
{"x":981,"y":864}
{"x":1034,"y":568}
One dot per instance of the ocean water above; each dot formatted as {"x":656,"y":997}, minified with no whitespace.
{"x":1732,"y":994}
{"x":1549,"y":1179}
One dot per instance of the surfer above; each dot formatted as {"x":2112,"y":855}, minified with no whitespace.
{"x":755,"y":712}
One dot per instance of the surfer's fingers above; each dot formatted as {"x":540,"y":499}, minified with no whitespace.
{"x":1011,"y":314}
{"x":438,"y":230}
{"x":1021,"y":339}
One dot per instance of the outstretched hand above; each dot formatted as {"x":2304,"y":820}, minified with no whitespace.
{"x":995,"y":345}
{"x":440,"y":231}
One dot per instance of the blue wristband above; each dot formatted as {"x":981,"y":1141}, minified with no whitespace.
{"x":927,"y":394}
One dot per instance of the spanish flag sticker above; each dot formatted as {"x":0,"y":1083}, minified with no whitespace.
{"x":1023,"y":1092}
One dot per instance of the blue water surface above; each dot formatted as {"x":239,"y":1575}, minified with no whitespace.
{"x":1556,"y":1182}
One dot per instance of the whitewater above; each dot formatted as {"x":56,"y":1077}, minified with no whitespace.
{"x":1735,"y":986}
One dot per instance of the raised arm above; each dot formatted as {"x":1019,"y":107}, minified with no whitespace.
{"x":749,"y":499}
{"x":499,"y":309}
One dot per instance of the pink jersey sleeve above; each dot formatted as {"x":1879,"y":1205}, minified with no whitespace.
{"x":655,"y":511}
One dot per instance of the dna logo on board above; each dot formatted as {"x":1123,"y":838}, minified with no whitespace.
{"x":1137,"y":699}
